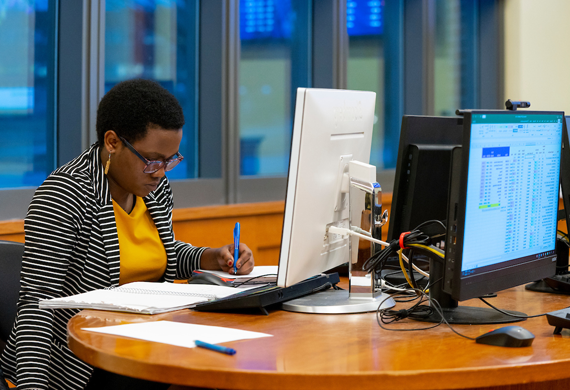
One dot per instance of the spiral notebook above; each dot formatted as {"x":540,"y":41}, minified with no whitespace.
{"x":142,"y":297}
{"x":261,"y":274}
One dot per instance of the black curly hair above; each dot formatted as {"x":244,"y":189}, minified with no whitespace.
{"x":132,"y":106}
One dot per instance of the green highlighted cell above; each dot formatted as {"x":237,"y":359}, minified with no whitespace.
{"x":488,"y":206}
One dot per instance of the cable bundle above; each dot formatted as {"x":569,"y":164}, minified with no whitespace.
{"x":416,"y":240}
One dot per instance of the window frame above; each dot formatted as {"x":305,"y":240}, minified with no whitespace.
{"x":79,"y":55}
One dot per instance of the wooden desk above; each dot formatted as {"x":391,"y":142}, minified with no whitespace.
{"x":337,"y":352}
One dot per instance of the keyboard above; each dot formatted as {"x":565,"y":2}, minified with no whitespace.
{"x":560,"y":319}
{"x":263,"y":297}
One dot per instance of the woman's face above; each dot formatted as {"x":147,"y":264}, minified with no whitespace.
{"x":126,"y":168}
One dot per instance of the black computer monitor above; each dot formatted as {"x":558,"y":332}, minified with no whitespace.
{"x":422,"y":171}
{"x":502,"y":211}
{"x":416,"y":200}
{"x":565,"y":173}
{"x":421,"y":183}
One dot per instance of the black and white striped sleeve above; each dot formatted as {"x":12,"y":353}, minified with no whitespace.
{"x":188,"y":256}
{"x":52,"y":227}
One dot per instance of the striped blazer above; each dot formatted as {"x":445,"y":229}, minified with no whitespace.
{"x":72,"y":247}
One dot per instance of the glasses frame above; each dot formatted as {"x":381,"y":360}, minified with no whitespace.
{"x":161,"y":163}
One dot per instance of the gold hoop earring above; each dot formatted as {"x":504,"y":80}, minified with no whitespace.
{"x":108,"y":164}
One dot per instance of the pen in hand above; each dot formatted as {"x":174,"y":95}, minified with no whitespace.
{"x":214,"y":347}
{"x":236,"y":246}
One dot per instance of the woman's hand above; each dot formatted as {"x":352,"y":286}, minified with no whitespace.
{"x":222,"y":258}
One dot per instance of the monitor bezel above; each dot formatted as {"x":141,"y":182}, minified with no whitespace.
{"x":565,"y":167}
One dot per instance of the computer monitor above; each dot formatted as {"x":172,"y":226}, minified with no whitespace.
{"x":421,"y":183}
{"x":331,"y":128}
{"x":565,"y":172}
{"x":463,"y":275}
{"x":502,"y":212}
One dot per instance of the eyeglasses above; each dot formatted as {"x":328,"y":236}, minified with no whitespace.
{"x":154,"y":166}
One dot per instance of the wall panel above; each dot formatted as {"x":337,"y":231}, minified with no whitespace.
{"x":261,"y":225}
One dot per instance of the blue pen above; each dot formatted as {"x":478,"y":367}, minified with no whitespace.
{"x":214,"y":347}
{"x":236,"y":246}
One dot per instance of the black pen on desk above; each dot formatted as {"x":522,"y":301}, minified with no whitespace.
{"x":214,"y":347}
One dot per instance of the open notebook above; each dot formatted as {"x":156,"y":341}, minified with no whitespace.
{"x":142,"y":297}
{"x":261,"y":274}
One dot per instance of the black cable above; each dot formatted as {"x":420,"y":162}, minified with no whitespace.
{"x":411,"y":270}
{"x":398,"y":315}
{"x":388,"y":316}
{"x":377,"y":260}
{"x":434,"y":221}
{"x":440,"y":312}
{"x":416,"y":310}
{"x":510,"y":314}
{"x":238,"y":284}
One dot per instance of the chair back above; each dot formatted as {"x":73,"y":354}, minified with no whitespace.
{"x":10,"y":267}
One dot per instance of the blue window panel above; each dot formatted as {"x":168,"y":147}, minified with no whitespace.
{"x":156,"y":39}
{"x":27,"y":87}
{"x":273,"y":41}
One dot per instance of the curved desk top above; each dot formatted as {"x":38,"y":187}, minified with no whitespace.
{"x":336,"y":351}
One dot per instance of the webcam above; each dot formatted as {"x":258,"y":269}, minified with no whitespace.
{"x":510,"y":105}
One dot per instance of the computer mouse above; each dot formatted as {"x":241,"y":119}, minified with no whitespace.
{"x":208,"y":278}
{"x":508,"y":336}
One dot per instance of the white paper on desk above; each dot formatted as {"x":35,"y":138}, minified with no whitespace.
{"x":178,"y":333}
{"x":259,"y":270}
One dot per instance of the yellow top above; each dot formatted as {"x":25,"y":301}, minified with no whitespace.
{"x":143,"y":257}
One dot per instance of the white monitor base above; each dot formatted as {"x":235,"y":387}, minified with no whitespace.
{"x":338,"y":302}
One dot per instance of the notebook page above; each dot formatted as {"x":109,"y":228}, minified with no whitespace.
{"x":258,"y":271}
{"x":143,"y":297}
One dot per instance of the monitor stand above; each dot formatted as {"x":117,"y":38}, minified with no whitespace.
{"x":542,"y":286}
{"x":339,"y":302}
{"x":361,"y":297}
{"x":562,"y":253}
{"x":455,"y":314}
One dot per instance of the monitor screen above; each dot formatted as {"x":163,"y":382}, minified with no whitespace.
{"x":555,"y":284}
{"x":331,"y":128}
{"x":503,"y":202}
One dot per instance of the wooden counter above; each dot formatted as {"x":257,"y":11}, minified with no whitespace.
{"x":338,"y":351}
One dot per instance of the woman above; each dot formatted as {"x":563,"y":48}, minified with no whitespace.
{"x":102,"y":220}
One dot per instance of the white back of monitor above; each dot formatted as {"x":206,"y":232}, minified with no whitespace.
{"x":331,"y":127}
